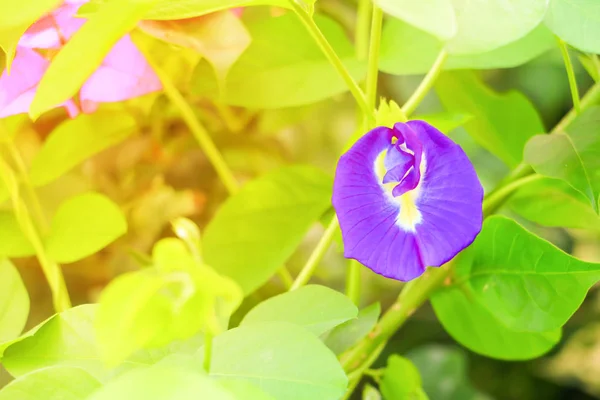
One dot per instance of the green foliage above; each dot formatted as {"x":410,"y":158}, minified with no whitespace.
{"x":53,"y":383}
{"x":14,"y":302}
{"x":514,"y":285}
{"x":91,"y":221}
{"x":344,"y":336}
{"x":256,"y":230}
{"x":553,"y":202}
{"x":316,"y":308}
{"x":502,"y":123}
{"x":401,"y":380}
{"x":84,"y":52}
{"x":471,"y":27}
{"x":444,"y":373}
{"x":284,"y":360}
{"x":576,"y":22}
{"x":571,"y":155}
{"x":283,"y":67}
{"x":408,"y":50}
{"x":14,"y":243}
{"x":76,"y":140}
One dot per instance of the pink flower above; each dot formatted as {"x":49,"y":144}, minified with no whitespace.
{"x":124,"y":73}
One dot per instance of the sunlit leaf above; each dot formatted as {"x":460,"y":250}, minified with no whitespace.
{"x":407,"y":50}
{"x":84,"y":52}
{"x":571,"y":155}
{"x":284,"y":360}
{"x":434,"y":16}
{"x":502,"y":123}
{"x":577,"y":22}
{"x":283,"y":66}
{"x":14,"y":243}
{"x":552,"y":202}
{"x":317,"y":308}
{"x":401,"y":380}
{"x":344,"y":336}
{"x":14,"y":302}
{"x":83,"y":225}
{"x":54,"y":383}
{"x":256,"y":230}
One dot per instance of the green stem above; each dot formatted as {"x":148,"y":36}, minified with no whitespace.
{"x":570,"y":74}
{"x":333,"y":58}
{"x":317,"y":255}
{"x":426,"y":84}
{"x":353,"y":281}
{"x":373,"y":60}
{"x":361,"y":38}
{"x":286,"y":278}
{"x":499,"y":197}
{"x":208,"y":343}
{"x":51,"y":270}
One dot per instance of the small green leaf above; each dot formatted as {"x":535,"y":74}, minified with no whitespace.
{"x":284,"y":360}
{"x":316,"y":308}
{"x":84,"y":52}
{"x":283,"y":67}
{"x":502,"y":123}
{"x":571,"y":155}
{"x":54,"y":383}
{"x":346,"y":335}
{"x":76,"y":140}
{"x":256,"y":230}
{"x":401,"y":380}
{"x":160,"y":382}
{"x":83,"y":225}
{"x":577,"y":22}
{"x":370,"y":393}
{"x":553,"y":202}
{"x":433,"y":16}
{"x":14,"y":302}
{"x":14,"y":243}
{"x":444,"y":373}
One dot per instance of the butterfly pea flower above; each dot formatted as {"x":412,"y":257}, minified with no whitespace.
{"x":123,"y":74}
{"x":406,"y":198}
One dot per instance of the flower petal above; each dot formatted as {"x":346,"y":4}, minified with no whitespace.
{"x":53,"y":30}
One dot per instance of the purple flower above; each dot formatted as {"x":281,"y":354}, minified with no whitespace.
{"x":406,"y":198}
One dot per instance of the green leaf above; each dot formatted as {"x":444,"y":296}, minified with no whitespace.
{"x":474,"y":326}
{"x":84,"y":52}
{"x":553,"y":202}
{"x":502,"y":123}
{"x":401,"y":380}
{"x":571,"y":155}
{"x":284,"y":360}
{"x":55,"y":383}
{"x":433,"y":16}
{"x":14,"y":302}
{"x":14,"y":21}
{"x":316,"y":308}
{"x":256,"y":230}
{"x":160,"y":382}
{"x":528,"y":283}
{"x":283,"y":67}
{"x":444,"y":373}
{"x":75,"y":140}
{"x":446,"y":122}
{"x":370,"y":393}
{"x":577,"y":22}
{"x":407,"y":50}
{"x":14,"y":243}
{"x":346,"y":335}
{"x":83,"y":225}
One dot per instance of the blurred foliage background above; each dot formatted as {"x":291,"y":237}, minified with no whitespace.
{"x":160,"y":173}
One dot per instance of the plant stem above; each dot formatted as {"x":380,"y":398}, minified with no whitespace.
{"x":286,"y":278}
{"x":499,"y":197}
{"x":52,"y":271}
{"x":426,"y":84}
{"x":570,"y":74}
{"x":361,"y":38}
{"x":317,"y":255}
{"x":353,"y":281}
{"x":208,"y":342}
{"x":373,"y":60}
{"x":333,"y":58}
